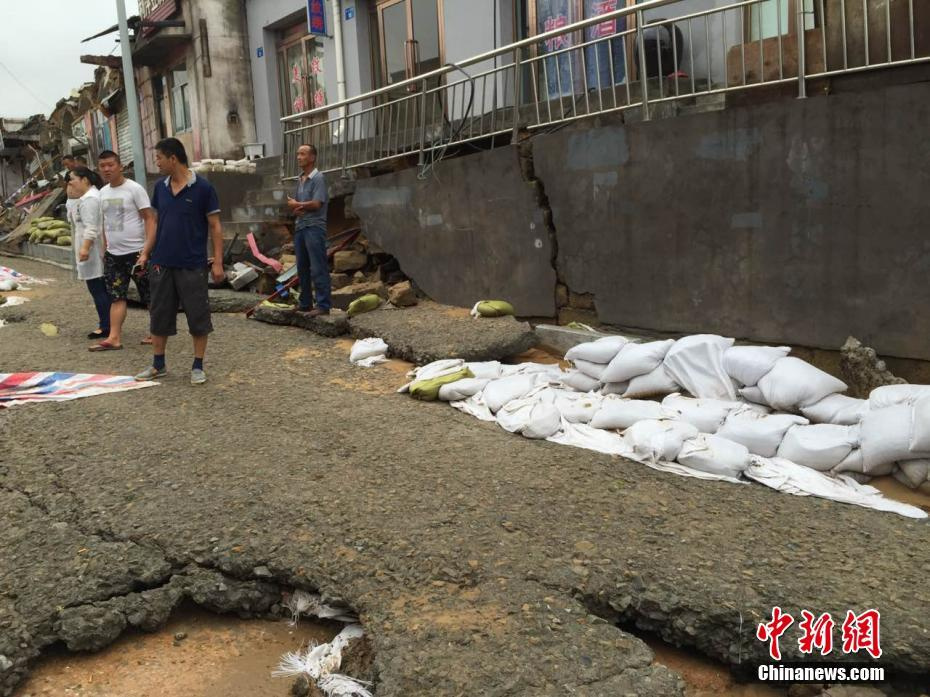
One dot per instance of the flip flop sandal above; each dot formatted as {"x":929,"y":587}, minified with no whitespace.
{"x":97,"y":334}
{"x":104,"y":346}
{"x":146,"y":342}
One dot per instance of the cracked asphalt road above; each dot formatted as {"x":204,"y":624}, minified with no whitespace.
{"x":480,"y":562}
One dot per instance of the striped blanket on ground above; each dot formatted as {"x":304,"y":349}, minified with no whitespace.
{"x":24,"y":388}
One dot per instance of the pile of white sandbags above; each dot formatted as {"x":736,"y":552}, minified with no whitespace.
{"x":746,"y":401}
{"x":206,"y":165}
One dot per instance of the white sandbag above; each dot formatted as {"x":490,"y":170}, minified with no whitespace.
{"x":885,"y":436}
{"x":367,"y":348}
{"x":762,"y":434}
{"x":714,"y":454}
{"x":819,"y":446}
{"x":436,"y":369}
{"x":706,"y":415}
{"x":914,"y":474}
{"x":462,"y":389}
{"x":749,"y":364}
{"x":920,"y":435}
{"x":793,"y":383}
{"x":636,"y":359}
{"x":485,"y":369}
{"x":599,"y":351}
{"x":498,"y":392}
{"x":578,"y":408}
{"x":658,"y":383}
{"x":533,"y":416}
{"x":753,"y":394}
{"x":890,"y":395}
{"x":592,"y":370}
{"x":696,"y":363}
{"x":617,"y":388}
{"x":618,"y":413}
{"x":654,"y":440}
{"x":838,"y":409}
{"x":579,"y":381}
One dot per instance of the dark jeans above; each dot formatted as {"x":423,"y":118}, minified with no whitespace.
{"x":313,"y":268}
{"x":98,"y":291}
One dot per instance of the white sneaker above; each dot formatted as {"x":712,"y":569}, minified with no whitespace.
{"x":198,"y":377}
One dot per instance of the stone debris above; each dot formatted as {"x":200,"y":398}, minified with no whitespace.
{"x":402,"y":295}
{"x":863,"y":370}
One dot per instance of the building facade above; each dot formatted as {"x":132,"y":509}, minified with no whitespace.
{"x":194,"y":81}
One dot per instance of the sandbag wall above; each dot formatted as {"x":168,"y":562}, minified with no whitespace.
{"x":720,"y":404}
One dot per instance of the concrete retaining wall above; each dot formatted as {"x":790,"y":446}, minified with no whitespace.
{"x":792,"y":221}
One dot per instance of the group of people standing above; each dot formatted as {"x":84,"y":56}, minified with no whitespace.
{"x":120,"y":235}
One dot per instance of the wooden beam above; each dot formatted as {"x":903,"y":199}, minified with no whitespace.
{"x":109,"y":61}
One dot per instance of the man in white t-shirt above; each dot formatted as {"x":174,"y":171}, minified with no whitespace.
{"x":128,"y":219}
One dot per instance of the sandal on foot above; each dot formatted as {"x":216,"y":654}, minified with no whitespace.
{"x":105,"y":346}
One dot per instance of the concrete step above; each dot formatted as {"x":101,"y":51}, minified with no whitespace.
{"x":704,"y":103}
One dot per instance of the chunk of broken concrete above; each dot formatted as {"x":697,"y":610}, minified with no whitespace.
{"x":349,"y":260}
{"x":334,"y":324}
{"x":343,"y":297}
{"x":339,"y":280}
{"x":429,"y":332}
{"x":402,"y":295}
{"x":863,"y":370}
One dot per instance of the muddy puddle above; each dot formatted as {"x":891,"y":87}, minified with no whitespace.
{"x":196,"y":654}
{"x":704,"y":677}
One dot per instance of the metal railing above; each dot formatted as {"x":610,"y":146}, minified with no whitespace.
{"x":611,"y":63}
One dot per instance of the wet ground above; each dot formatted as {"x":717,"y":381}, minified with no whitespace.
{"x":480,"y":562}
{"x":195,"y":654}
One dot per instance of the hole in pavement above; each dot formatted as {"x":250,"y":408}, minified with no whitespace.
{"x":196,"y":653}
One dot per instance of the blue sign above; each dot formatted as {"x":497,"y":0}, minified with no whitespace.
{"x":260,"y":51}
{"x":316,"y":17}
{"x":350,"y":13}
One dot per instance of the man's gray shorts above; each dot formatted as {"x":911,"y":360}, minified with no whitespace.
{"x":173,"y":287}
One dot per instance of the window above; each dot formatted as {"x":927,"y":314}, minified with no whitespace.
{"x":158,"y":95}
{"x":180,"y":102}
{"x":102,"y":138}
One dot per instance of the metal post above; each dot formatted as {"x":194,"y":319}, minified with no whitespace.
{"x":423,"y":88}
{"x":802,"y":62}
{"x":132,"y":101}
{"x":517,"y":95}
{"x":643,"y":77}
{"x":345,"y":142}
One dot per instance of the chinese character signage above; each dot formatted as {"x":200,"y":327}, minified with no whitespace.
{"x":860,"y":633}
{"x":316,"y":17}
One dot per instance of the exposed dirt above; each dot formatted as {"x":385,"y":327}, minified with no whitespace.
{"x":196,"y":654}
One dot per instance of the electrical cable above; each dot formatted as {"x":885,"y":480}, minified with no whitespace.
{"x":21,"y":84}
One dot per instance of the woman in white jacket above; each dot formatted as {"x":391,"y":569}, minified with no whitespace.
{"x":87,"y":235}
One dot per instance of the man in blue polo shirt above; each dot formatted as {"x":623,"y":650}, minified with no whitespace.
{"x":188,"y":212}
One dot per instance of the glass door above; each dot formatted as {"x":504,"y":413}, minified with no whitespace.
{"x":300,"y":74}
{"x":411,"y":38}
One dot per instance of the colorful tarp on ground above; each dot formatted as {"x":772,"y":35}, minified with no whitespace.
{"x":26,"y":388}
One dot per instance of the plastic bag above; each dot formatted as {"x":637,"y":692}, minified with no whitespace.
{"x":367,"y":348}
{"x":749,"y":364}
{"x":600,"y":351}
{"x":654,"y":440}
{"x":762,"y":434}
{"x":819,"y":446}
{"x":837,"y":409}
{"x":636,"y":359}
{"x":793,"y":383}
{"x":658,"y":383}
{"x":714,"y":454}
{"x":706,"y":415}
{"x":616,"y":413}
{"x":696,"y":363}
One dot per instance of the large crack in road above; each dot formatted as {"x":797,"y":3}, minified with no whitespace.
{"x":479,"y":562}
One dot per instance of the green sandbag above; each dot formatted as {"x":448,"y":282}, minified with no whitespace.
{"x":44,"y":225}
{"x":428,"y":390}
{"x":495,"y":308}
{"x":366,"y":303}
{"x":63,"y":241}
{"x":58,"y":225}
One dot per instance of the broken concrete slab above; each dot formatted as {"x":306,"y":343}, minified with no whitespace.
{"x":334,"y":324}
{"x":863,"y":370}
{"x":430,"y":332}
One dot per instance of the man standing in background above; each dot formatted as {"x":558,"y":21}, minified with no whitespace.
{"x":310,"y":207}
{"x":128,"y":219}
